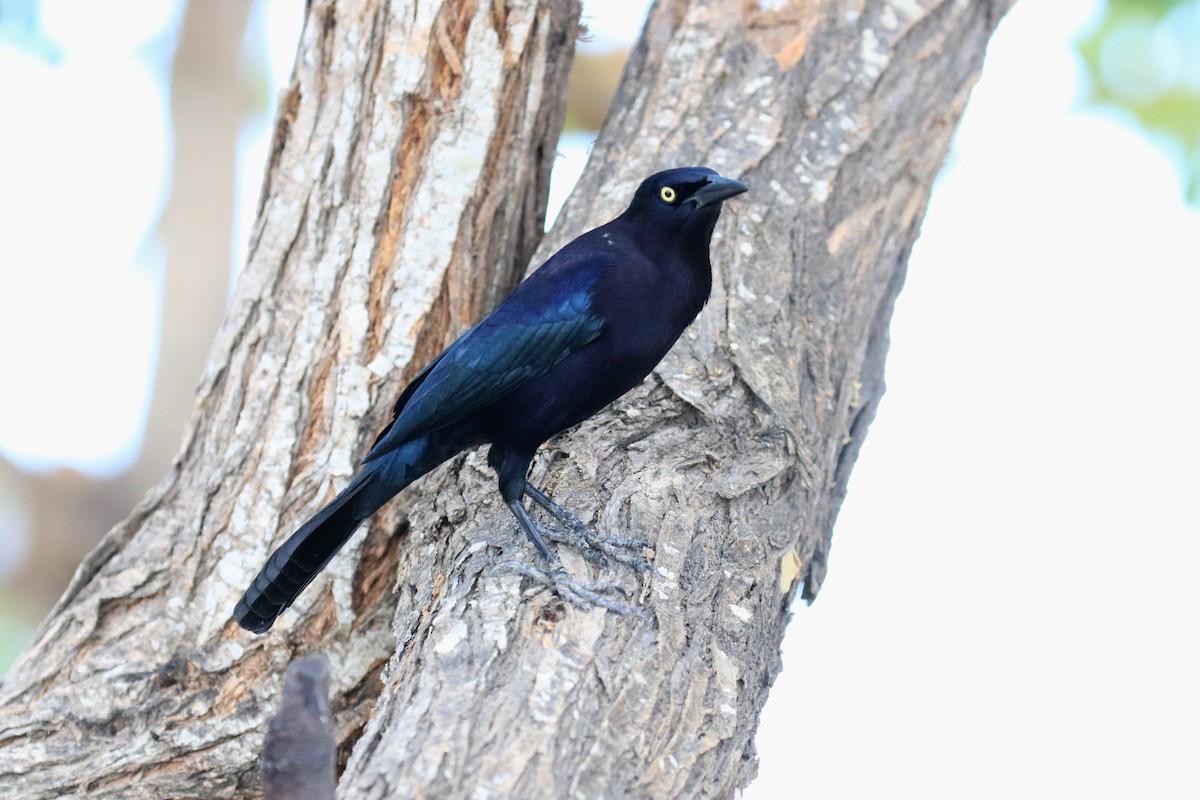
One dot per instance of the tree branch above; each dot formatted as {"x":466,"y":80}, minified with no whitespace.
{"x":298,"y":761}
{"x":404,"y":194}
{"x":732,"y":459}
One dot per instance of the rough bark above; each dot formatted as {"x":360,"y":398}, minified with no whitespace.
{"x":382,"y":234}
{"x":404,"y":195}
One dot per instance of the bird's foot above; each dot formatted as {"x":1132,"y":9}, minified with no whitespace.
{"x":558,"y":581}
{"x":594,"y":547}
{"x":600,"y":549}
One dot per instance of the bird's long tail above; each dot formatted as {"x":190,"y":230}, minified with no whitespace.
{"x":306,"y":552}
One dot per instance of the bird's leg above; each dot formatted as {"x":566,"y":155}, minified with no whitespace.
{"x":577,"y":533}
{"x":555,"y":577}
{"x":558,"y":581}
{"x":531,"y":530}
{"x":511,"y":467}
{"x":558,"y":512}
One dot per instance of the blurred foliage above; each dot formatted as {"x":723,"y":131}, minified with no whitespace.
{"x":1143,"y":56}
{"x":15,"y":636}
{"x":591,"y":86}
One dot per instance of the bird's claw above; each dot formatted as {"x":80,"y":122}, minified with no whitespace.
{"x":580,"y":543}
{"x":558,"y":581}
{"x":599,"y":549}
{"x":595,"y":548}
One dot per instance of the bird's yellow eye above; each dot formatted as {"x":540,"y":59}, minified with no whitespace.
{"x":667,"y":194}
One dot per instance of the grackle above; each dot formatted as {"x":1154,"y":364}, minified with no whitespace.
{"x":581,"y":331}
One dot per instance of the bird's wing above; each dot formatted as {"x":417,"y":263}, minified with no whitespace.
{"x":542,"y":322}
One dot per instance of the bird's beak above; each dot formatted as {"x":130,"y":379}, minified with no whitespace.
{"x":718,"y":189}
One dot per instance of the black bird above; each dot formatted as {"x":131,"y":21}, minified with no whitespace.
{"x":581,"y":331}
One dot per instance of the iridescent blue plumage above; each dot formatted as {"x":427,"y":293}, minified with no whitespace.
{"x":582,"y":330}
{"x":536,"y":327}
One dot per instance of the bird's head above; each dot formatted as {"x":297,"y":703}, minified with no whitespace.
{"x":683,"y":200}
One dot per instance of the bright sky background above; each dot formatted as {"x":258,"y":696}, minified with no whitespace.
{"x":1010,"y":608}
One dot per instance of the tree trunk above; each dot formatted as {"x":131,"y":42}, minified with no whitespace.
{"x":210,"y":99}
{"x":68,"y":511}
{"x":405,"y":192}
{"x":404,"y":196}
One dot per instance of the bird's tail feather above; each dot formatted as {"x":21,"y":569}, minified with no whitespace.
{"x":306,"y":552}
